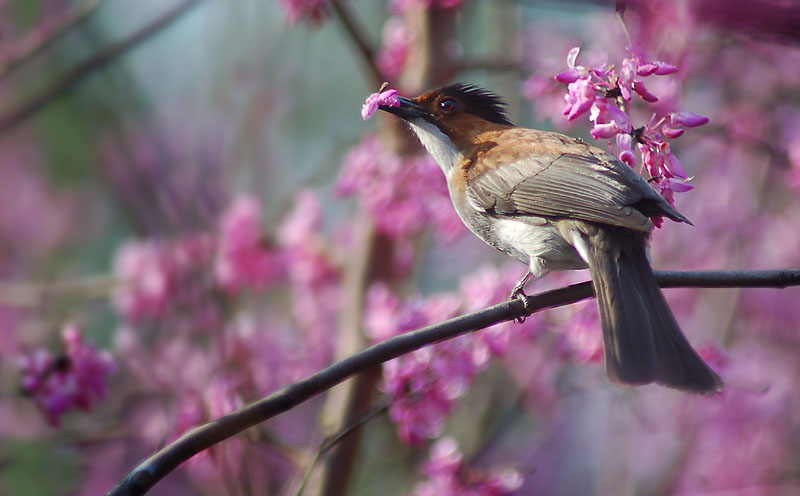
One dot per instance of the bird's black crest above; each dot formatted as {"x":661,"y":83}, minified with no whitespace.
{"x":480,"y":102}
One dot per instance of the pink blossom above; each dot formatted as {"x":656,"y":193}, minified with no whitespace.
{"x":625,"y":150}
{"x":573,"y":73}
{"x":656,"y":67}
{"x":404,"y":195}
{"x":668,"y":187}
{"x":144,"y":288}
{"x":580,"y":97}
{"x":74,"y":378}
{"x":386,"y":316}
{"x":671,"y":132}
{"x":243,"y":258}
{"x":312,"y":274}
{"x":311,"y":11}
{"x":609,"y":120}
{"x":633,"y":69}
{"x":375,"y":100}
{"x":687,"y":119}
{"x":642,"y":91}
{"x":159,"y":278}
{"x":225,"y":461}
{"x":391,"y":58}
{"x":449,"y":475}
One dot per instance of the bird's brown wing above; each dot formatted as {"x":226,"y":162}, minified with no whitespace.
{"x":583,"y":187}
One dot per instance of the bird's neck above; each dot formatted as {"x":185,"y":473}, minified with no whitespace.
{"x":438,"y":144}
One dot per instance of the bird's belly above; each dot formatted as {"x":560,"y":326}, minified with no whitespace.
{"x":533,"y":241}
{"x":538,"y":239}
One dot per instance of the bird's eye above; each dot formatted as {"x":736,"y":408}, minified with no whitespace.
{"x":448,"y":105}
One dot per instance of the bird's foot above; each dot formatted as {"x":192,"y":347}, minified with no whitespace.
{"x":518,"y":293}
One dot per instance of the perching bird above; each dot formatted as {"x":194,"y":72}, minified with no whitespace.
{"x":555,"y":202}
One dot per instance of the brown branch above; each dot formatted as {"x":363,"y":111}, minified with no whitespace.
{"x":35,"y":43}
{"x":359,"y":39}
{"x":149,"y":472}
{"x":32,"y":295}
{"x":98,"y":61}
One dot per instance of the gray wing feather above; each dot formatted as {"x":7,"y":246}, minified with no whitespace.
{"x":568,"y":185}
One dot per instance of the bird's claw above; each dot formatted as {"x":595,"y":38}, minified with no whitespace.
{"x":519,"y":294}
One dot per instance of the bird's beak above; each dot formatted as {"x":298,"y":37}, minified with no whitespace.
{"x":407,"y":110}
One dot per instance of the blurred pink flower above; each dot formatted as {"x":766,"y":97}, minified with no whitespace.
{"x":74,"y":378}
{"x":144,"y":288}
{"x":391,"y":58}
{"x":313,"y":276}
{"x":448,"y":475}
{"x":161,"y":280}
{"x":312,"y":11}
{"x":243,"y":258}
{"x":224,"y":462}
{"x":404,"y":195}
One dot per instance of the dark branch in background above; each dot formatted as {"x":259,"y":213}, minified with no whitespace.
{"x":359,"y":39}
{"x":331,"y":442}
{"x":39,"y":43}
{"x":25,"y":110}
{"x":149,"y":472}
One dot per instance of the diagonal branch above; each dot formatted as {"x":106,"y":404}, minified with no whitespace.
{"x":36,"y":42}
{"x":149,"y":472}
{"x":359,"y":39}
{"x":99,"y":60}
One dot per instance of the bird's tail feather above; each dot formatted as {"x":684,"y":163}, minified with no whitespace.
{"x":642,"y":340}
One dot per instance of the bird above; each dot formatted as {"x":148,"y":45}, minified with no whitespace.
{"x":555,"y":202}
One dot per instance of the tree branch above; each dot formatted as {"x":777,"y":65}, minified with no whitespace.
{"x":35,"y":42}
{"x":149,"y":472}
{"x":101,"y":59}
{"x":359,"y":39}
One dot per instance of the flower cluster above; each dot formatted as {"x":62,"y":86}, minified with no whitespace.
{"x":391,"y":58}
{"x":243,"y":259}
{"x":313,"y":276}
{"x":606,"y":94}
{"x":74,"y":378}
{"x":158,"y":276}
{"x":425,"y":385}
{"x":404,"y":195}
{"x":450,"y":476}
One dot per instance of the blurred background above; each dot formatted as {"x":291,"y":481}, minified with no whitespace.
{"x":193,"y":214}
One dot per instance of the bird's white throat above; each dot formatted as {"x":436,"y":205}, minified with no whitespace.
{"x":437,"y":143}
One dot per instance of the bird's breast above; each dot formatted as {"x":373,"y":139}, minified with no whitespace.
{"x":525,"y":238}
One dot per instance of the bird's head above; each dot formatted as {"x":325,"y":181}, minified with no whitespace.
{"x":450,"y":120}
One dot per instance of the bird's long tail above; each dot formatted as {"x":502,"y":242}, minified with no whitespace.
{"x":642,"y":340}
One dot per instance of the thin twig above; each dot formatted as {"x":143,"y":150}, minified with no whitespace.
{"x":101,"y":59}
{"x":35,"y":43}
{"x":359,"y":38}
{"x":329,"y":443}
{"x":31,"y":295}
{"x":149,"y":472}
